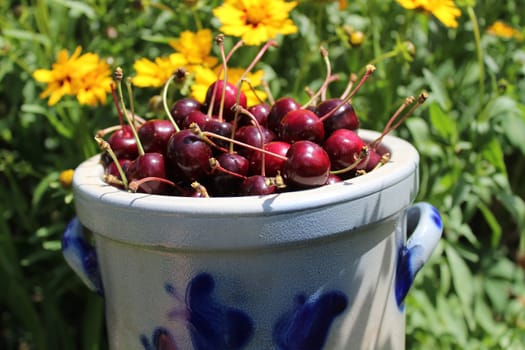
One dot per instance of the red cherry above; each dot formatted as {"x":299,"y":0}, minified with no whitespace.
{"x":189,"y":154}
{"x":279,"y":110}
{"x":308,"y":165}
{"x":123,"y":143}
{"x":256,"y":185}
{"x":148,"y":165}
{"x":342,"y":118}
{"x":301,"y":124}
{"x":230,"y":98}
{"x":272,"y":165}
{"x":343,"y":147}
{"x":155,"y":134}
{"x":181,"y":108}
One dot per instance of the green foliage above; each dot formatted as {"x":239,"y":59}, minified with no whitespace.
{"x":471,"y":295}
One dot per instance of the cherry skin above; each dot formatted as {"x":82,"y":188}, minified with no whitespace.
{"x":230,"y":98}
{"x":123,"y":143}
{"x":301,"y":124}
{"x":272,"y":164}
{"x":260,"y":112}
{"x":189,"y":154}
{"x":343,"y":147}
{"x":150,"y":164}
{"x":155,"y":134}
{"x":278,"y":110}
{"x":250,"y":134}
{"x":368,"y":164}
{"x":181,"y":108}
{"x":308,"y":165}
{"x":228,"y":184}
{"x":195,"y":116}
{"x":343,"y":118}
{"x":256,"y":185}
{"x":219,"y":127}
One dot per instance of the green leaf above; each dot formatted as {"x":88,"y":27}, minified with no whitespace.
{"x":27,"y":36}
{"x":78,"y":8}
{"x":493,"y":153}
{"x":438,"y":92}
{"x":493,"y":223}
{"x":463,"y":282}
{"x":443,"y":123}
{"x":513,"y":126}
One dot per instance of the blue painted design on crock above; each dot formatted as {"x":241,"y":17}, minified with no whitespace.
{"x":404,"y":275}
{"x":161,"y":340}
{"x":81,"y":255}
{"x":436,"y":217}
{"x":213,"y":325}
{"x":306,"y":326}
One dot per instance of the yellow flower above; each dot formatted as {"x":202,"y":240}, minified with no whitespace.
{"x":255,"y":21}
{"x":155,"y":74}
{"x":503,"y":30}
{"x":204,"y":77}
{"x":82,"y":75}
{"x":195,"y":47}
{"x":445,"y":11}
{"x":66,"y":178}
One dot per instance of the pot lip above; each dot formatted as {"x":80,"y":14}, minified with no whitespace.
{"x":88,"y":183}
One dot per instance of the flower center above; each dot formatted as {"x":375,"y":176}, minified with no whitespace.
{"x":254,"y":16}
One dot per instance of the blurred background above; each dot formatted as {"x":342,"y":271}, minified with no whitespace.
{"x":469,"y":55}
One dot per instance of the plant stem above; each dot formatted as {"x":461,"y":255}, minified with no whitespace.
{"x":479,"y":50}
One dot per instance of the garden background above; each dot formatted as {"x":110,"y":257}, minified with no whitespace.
{"x":470,"y":134}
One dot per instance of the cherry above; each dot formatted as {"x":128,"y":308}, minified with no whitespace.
{"x":307,"y":165}
{"x":343,"y":117}
{"x":215,"y":93}
{"x":272,"y":164}
{"x":250,"y":134}
{"x":154,"y":135}
{"x":195,"y":116}
{"x":301,"y":124}
{"x":332,"y":179}
{"x":111,"y":169}
{"x":181,"y":108}
{"x":371,"y":162}
{"x":189,"y":154}
{"x":148,"y":165}
{"x":123,"y":143}
{"x":256,"y":185}
{"x":219,"y":127}
{"x":226,"y":181}
{"x":344,"y":148}
{"x":279,"y":110}
{"x":260,"y":112}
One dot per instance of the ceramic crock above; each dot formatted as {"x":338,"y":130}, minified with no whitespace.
{"x":324,"y":268}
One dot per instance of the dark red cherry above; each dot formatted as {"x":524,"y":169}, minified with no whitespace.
{"x":195,"y":116}
{"x":227,"y":183}
{"x":260,"y":112}
{"x":123,"y":143}
{"x":219,"y":127}
{"x":333,"y":179}
{"x":308,"y":165}
{"x":272,"y":164}
{"x":154,"y":135}
{"x":343,"y":117}
{"x":344,"y":147}
{"x":251,"y":135}
{"x":148,"y":165}
{"x":230,"y":98}
{"x":256,"y":185}
{"x":301,"y":124}
{"x":279,"y":110}
{"x":368,"y":164}
{"x":181,"y":108}
{"x":189,"y":154}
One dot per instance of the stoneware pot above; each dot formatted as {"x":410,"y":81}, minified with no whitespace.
{"x":325,"y":268}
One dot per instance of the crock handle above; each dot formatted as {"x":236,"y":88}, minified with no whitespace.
{"x":81,"y":256}
{"x":424,"y":228}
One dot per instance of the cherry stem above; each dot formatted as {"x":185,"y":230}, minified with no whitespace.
{"x":266,"y":88}
{"x":259,"y":129}
{"x":362,"y":156}
{"x":369,"y":70}
{"x":351,"y":81}
{"x":119,"y":74}
{"x":200,"y":189}
{"x":131,"y":99}
{"x":135,"y":184}
{"x":324,"y":86}
{"x":206,"y":134}
{"x":105,"y":146}
{"x":115,"y":101}
{"x":389,"y":128}
{"x":216,"y":165}
{"x":220,"y":42}
{"x":165,"y":102}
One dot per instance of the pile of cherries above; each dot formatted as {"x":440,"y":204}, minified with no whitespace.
{"x":223,"y":147}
